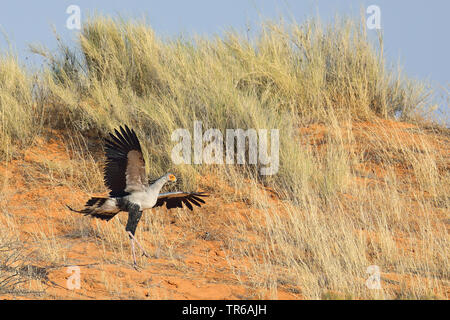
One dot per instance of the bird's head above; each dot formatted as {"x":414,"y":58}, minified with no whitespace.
{"x":171,"y":177}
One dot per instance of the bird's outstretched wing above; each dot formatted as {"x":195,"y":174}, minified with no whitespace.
{"x":125,"y":165}
{"x":176,"y":199}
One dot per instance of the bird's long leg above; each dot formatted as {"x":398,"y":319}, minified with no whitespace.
{"x":139,"y":245}
{"x":133,"y":252}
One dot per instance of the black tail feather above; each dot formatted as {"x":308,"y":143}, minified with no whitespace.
{"x":91,"y":207}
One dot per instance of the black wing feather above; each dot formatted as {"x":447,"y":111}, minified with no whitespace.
{"x":187,"y":204}
{"x":198,"y":199}
{"x":195,"y":203}
{"x":117,"y":148}
{"x":177,"y":199}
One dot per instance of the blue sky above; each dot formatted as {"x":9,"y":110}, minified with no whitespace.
{"x":416,"y":33}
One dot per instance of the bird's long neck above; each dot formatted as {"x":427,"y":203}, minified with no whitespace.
{"x":156,"y":187}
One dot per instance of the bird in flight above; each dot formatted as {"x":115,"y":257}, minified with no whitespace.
{"x":131,"y":191}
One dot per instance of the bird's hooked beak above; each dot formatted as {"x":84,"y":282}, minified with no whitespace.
{"x":172,"y":178}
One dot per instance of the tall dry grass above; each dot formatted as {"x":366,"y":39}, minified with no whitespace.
{"x":288,"y":75}
{"x":334,"y":219}
{"x":18,"y":123}
{"x":326,"y":242}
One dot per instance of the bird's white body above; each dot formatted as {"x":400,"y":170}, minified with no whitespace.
{"x":147,"y":198}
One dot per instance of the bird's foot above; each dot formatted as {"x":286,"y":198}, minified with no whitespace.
{"x":145,"y":254}
{"x":136,"y":267}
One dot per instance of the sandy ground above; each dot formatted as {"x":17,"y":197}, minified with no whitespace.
{"x":197,"y":267}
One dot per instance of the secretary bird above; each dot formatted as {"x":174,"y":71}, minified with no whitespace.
{"x":131,"y":191}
